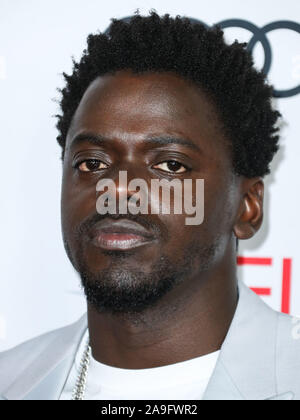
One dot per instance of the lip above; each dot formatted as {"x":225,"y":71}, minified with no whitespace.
{"x":120,"y":235}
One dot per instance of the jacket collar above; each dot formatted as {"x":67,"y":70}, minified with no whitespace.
{"x":245,"y":369}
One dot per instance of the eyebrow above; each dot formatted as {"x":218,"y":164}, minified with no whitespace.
{"x":98,"y":139}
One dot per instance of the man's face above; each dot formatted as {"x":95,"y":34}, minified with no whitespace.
{"x":129,"y":111}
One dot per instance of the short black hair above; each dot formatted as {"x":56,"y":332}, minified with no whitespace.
{"x":226,"y":73}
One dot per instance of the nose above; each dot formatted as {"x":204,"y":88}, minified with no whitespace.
{"x":124,"y":183}
{"x":126,"y":175}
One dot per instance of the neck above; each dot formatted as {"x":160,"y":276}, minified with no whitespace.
{"x":191,"y":321}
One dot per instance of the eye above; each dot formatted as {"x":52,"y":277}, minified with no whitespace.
{"x":91,"y":165}
{"x":171,"y":166}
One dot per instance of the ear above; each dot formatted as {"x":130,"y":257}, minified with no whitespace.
{"x":250,"y":213}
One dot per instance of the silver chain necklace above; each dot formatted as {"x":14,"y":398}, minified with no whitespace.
{"x":79,"y":389}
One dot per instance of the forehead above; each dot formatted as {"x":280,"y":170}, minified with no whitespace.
{"x":138,"y":105}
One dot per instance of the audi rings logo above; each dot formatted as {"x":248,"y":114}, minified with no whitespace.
{"x":258,"y":35}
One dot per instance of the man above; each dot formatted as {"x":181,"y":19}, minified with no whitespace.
{"x":167,"y":318}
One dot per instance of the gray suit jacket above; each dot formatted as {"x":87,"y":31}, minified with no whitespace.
{"x":259,"y":359}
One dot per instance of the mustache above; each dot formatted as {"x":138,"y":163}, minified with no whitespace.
{"x":89,"y":222}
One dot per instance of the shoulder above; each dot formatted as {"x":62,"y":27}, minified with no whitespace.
{"x":287,"y":357}
{"x":288,"y":354}
{"x":286,"y":331}
{"x":17,"y":359}
{"x":285,"y":328}
{"x":288,"y":339}
{"x":30,"y":347}
{"x":270,"y":340}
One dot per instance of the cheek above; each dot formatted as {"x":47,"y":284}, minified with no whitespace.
{"x":181,"y":236}
{"x":77,"y":203}
{"x":220,"y":206}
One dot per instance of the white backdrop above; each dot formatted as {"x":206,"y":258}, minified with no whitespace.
{"x":39,"y":289}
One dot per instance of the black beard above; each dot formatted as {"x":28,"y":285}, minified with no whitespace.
{"x":118,"y":290}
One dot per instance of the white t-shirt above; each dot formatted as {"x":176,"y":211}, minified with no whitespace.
{"x":179,"y":381}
